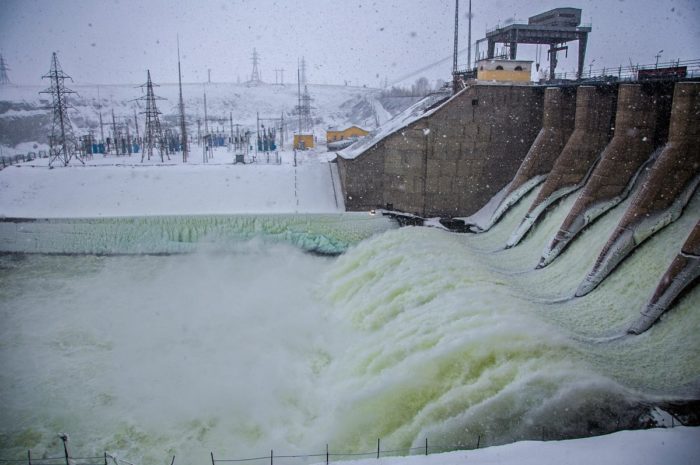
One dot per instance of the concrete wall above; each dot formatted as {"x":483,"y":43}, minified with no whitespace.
{"x":557,"y":126}
{"x":452,"y":162}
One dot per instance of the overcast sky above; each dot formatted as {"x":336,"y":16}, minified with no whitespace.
{"x":360,"y":41}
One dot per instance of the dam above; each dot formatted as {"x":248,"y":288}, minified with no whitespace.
{"x":168,"y":313}
{"x":475,"y":154}
{"x":297,"y":330}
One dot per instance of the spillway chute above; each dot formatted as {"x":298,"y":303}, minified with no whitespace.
{"x":681,"y":274}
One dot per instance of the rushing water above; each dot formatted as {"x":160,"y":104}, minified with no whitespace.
{"x":412,"y":333}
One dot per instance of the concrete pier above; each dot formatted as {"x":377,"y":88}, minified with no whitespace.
{"x":670,"y":184}
{"x":620,"y":164}
{"x":557,"y":126}
{"x":684,"y":270}
{"x":595,"y":107}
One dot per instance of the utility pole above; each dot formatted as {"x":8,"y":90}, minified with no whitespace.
{"x":469,"y":38}
{"x":4,"y":78}
{"x":128,"y":136}
{"x":279,"y":77}
{"x":205,"y":154}
{"x":62,"y":142}
{"x":454,"y":52}
{"x":183,"y":128}
{"x":658,"y":55}
{"x":102,"y":131}
{"x":115,"y":135}
{"x":283,"y":127}
{"x":136,"y":123}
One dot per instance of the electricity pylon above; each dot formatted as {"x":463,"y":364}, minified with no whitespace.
{"x":153,"y":132}
{"x":62,"y":143}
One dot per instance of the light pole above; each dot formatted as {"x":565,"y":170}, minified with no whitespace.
{"x":658,"y":55}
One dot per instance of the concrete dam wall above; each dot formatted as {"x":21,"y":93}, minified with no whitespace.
{"x":451,"y":162}
{"x":489,"y":145}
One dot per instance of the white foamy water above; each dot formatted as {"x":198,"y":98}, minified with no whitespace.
{"x":410,"y":334}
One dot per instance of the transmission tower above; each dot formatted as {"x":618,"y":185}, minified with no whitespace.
{"x":183,"y":129}
{"x":4,"y":79}
{"x":307,"y":120}
{"x":152,"y":133}
{"x":303,"y":72}
{"x":255,"y":75}
{"x":62,"y":143}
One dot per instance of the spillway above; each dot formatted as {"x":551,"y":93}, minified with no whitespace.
{"x":242,"y":345}
{"x":328,"y":234}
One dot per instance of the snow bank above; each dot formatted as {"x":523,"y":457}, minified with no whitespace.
{"x":122,"y":186}
{"x":677,"y":446}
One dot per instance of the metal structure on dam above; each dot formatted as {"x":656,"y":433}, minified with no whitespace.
{"x":493,"y":143}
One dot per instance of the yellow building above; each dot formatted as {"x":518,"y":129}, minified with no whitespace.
{"x":303,"y":141}
{"x":495,"y":69}
{"x":333,"y":134}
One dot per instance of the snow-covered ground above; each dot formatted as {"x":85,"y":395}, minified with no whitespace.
{"x":123,"y":186}
{"x":673,"y":446}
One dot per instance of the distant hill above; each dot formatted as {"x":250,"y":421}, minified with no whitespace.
{"x":25,"y":114}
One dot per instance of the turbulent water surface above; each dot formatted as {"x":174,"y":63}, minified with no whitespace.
{"x":412,"y":333}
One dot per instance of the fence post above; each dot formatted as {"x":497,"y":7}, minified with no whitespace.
{"x":172,"y":461}
{"x":105,"y":458}
{"x":212,"y":458}
{"x":426,"y":445}
{"x":478,"y":441}
{"x":272,"y":454}
{"x":326,"y":454}
{"x":378,"y":443}
{"x":29,"y":457}
{"x":64,"y":438}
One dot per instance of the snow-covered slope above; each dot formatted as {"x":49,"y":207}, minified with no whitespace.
{"x":24,"y":116}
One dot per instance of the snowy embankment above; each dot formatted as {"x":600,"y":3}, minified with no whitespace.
{"x":673,"y":446}
{"x":122,"y":186}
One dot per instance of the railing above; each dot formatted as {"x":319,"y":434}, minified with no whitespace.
{"x":522,"y":22}
{"x":327,"y":455}
{"x":104,"y":459}
{"x":281,"y":459}
{"x":654,"y":71}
